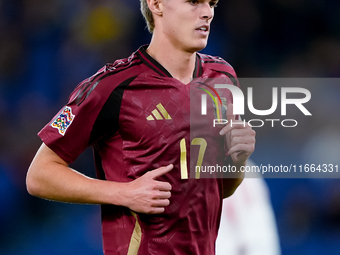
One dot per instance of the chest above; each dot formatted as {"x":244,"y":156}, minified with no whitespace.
{"x":154,"y":110}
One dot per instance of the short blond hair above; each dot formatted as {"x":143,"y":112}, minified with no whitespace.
{"x":147,"y":15}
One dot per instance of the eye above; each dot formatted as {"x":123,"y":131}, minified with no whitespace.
{"x":194,"y":2}
{"x":213,"y":4}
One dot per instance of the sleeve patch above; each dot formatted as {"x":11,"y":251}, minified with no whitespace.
{"x":63,"y":120}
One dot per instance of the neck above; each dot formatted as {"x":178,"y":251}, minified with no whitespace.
{"x":179,"y":63}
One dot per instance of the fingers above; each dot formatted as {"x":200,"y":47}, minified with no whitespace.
{"x":240,"y":137}
{"x":232,"y":122}
{"x":155,"y":210}
{"x":157,"y":206}
{"x":160,"y":202}
{"x":247,"y":149}
{"x":149,"y":195}
{"x":160,"y":171}
{"x":163,"y":195}
{"x":162,"y":186}
{"x":152,"y":209}
{"x":242,"y":140}
{"x":159,"y":185}
{"x":157,"y":203}
{"x":161,"y":190}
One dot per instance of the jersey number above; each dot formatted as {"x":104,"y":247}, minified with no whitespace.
{"x":184,"y":169}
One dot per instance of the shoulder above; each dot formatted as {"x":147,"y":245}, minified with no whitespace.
{"x":108,"y":78}
{"x":212,"y":59}
{"x":215,"y":62}
{"x":122,"y":64}
{"x":218,"y":66}
{"x":121,"y":69}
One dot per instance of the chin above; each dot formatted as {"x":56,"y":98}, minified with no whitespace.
{"x":197,"y":47}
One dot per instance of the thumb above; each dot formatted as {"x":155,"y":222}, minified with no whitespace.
{"x":160,"y":171}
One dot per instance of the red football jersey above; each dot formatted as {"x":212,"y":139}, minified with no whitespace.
{"x":137,"y":118}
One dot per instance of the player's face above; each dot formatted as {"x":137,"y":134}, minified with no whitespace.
{"x":187,"y":22}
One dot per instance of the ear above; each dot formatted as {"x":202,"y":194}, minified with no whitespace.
{"x":156,"y":7}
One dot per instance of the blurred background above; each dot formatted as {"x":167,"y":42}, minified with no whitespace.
{"x":48,"y":47}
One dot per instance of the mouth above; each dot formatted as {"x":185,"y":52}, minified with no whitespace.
{"x":204,"y":29}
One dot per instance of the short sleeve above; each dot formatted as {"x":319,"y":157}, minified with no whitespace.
{"x":69,"y":132}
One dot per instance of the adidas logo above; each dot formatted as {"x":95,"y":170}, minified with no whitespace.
{"x":159,"y":114}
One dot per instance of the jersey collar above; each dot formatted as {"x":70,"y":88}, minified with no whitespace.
{"x":158,"y":68}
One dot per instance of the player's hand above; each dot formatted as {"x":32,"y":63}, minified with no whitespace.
{"x":148,"y":195}
{"x":240,"y":138}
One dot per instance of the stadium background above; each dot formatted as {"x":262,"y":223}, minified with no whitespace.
{"x":47,"y":47}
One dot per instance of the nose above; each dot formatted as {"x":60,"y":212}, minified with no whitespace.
{"x":207,"y":11}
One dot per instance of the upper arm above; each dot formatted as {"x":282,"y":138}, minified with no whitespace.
{"x":45,"y":155}
{"x":41,"y":168}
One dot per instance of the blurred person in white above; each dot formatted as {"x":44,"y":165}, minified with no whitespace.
{"x":248,"y":225}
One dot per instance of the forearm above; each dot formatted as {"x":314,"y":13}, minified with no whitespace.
{"x":233,"y":179}
{"x":240,"y":144}
{"x":52,"y":179}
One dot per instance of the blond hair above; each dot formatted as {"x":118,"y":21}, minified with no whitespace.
{"x":147,"y":15}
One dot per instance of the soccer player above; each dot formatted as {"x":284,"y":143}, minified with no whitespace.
{"x":135,"y":114}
